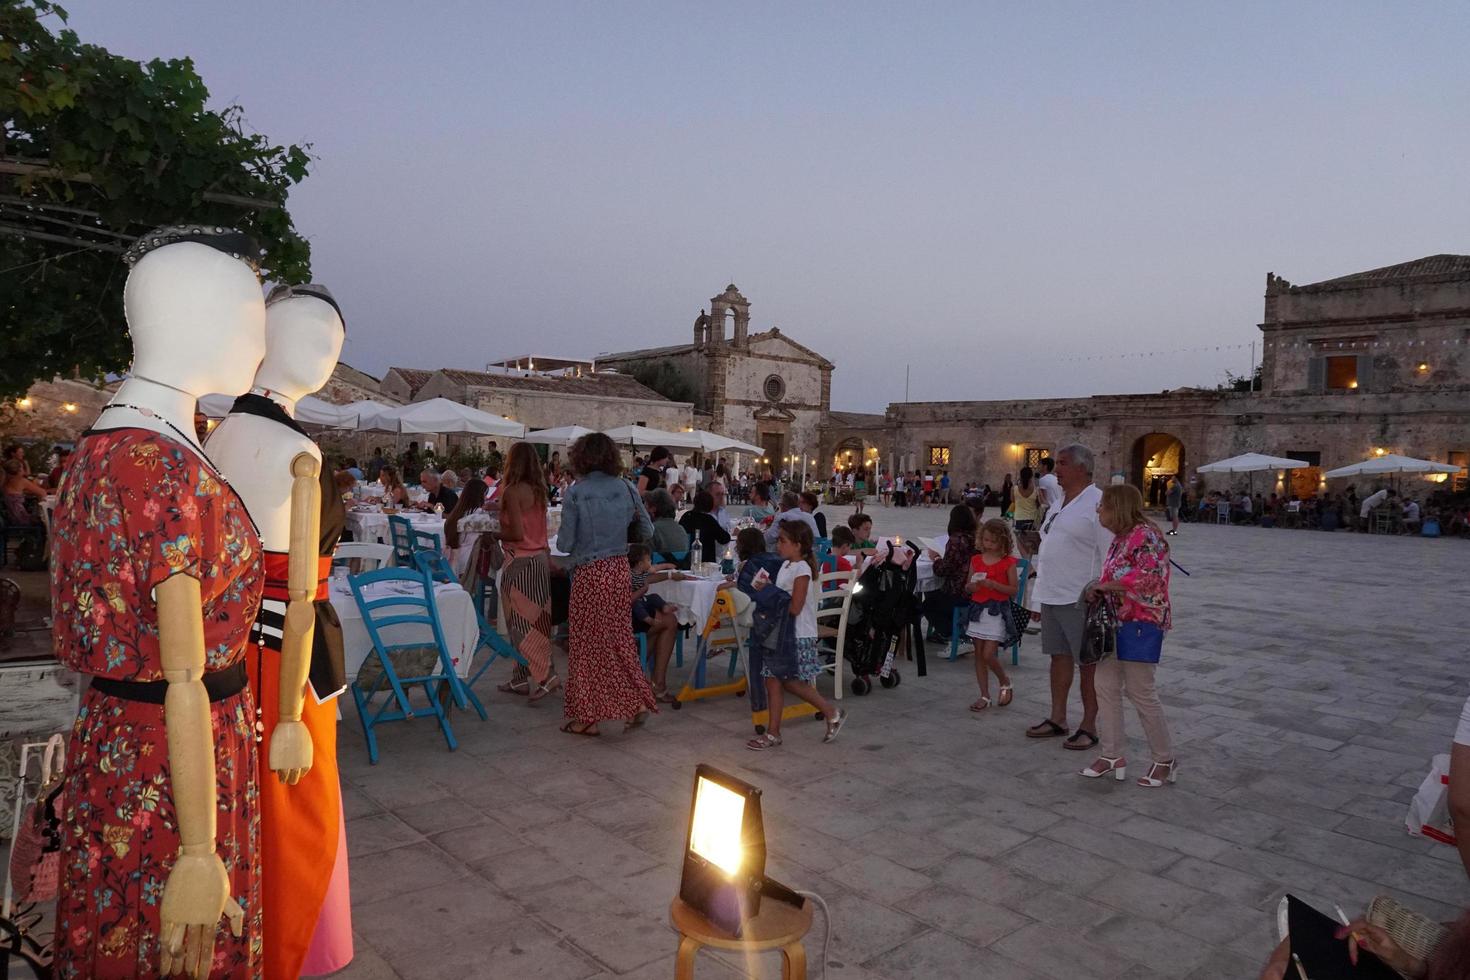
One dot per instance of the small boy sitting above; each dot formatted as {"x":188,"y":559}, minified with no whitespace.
{"x":649,"y":611}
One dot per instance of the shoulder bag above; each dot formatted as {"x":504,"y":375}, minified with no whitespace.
{"x":1140,"y":642}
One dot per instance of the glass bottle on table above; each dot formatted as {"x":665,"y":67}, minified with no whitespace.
{"x":696,"y":555}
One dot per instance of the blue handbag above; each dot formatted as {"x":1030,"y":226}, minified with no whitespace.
{"x":1140,"y":643}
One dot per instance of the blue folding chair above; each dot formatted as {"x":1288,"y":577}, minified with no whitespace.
{"x":960,"y":616}
{"x":822,"y":548}
{"x":400,"y":536}
{"x":436,"y":566}
{"x":415,"y":609}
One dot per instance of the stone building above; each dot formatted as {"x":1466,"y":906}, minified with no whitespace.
{"x":1374,"y":362}
{"x":764,"y":387}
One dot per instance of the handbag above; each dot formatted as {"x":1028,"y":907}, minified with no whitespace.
{"x":635,"y":529}
{"x":1100,"y":631}
{"x":35,"y":859}
{"x":1140,"y":642}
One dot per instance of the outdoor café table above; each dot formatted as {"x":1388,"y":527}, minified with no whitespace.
{"x":456,"y":618}
{"x":695,"y":597}
{"x":372,"y":525}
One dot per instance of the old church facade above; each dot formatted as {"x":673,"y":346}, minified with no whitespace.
{"x":761,"y":387}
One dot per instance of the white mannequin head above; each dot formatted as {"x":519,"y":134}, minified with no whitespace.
{"x":197,"y":319}
{"x":304,"y":337}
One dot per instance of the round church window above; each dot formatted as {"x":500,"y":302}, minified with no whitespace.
{"x":775,"y":388}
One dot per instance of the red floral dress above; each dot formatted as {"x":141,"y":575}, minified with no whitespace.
{"x":135,"y":508}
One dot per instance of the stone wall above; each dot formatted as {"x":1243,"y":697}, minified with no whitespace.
{"x":1400,"y":324}
{"x":988,"y":439}
{"x":52,"y":412}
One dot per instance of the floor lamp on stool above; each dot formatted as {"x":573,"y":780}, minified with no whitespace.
{"x":724,"y":880}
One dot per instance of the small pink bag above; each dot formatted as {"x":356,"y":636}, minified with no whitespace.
{"x":35,"y":858}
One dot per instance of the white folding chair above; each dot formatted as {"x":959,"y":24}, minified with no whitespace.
{"x":369,"y":556}
{"x":835,"y":611}
{"x":1222,"y":512}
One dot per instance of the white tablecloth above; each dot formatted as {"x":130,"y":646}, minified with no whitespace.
{"x":372,"y":526}
{"x":695,"y":597}
{"x":456,"y":617}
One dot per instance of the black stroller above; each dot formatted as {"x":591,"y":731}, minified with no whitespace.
{"x":883,"y":607}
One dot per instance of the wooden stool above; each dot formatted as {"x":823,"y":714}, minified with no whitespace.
{"x":779,"y":926}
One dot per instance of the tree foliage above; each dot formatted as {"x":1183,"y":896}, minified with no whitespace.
{"x":664,"y":378}
{"x":98,"y":150}
{"x":1239,"y":382}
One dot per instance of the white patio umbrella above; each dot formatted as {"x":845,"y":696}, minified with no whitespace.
{"x":1390,"y":463}
{"x":440,"y":415}
{"x":1251,"y":463}
{"x":713,"y":442}
{"x":368,"y":412}
{"x":561,"y":436}
{"x":642,"y":437}
{"x":309,"y":409}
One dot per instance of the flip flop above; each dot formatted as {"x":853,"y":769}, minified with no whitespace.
{"x":1076,"y":743}
{"x":514,"y":687}
{"x":1045,"y":728}
{"x":586,"y":730}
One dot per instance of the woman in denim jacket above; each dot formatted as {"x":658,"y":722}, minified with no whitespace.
{"x":604,"y":677}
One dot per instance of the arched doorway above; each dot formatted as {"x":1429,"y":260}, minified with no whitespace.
{"x":1156,"y":457}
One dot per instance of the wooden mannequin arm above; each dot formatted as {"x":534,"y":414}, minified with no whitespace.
{"x":186,"y":712}
{"x":290,"y":747}
{"x":197,"y":891}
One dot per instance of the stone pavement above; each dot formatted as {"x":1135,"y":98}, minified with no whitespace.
{"x":1309,"y":679}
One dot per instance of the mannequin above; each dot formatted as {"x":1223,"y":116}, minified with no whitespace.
{"x":156,"y":575}
{"x":277,"y":469}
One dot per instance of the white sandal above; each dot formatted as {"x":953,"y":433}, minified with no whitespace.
{"x":1104,"y":765}
{"x":1005,"y":697}
{"x":1149,"y":782}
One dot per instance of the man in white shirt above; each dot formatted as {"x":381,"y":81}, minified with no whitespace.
{"x":790,"y":511}
{"x":1051,"y":490}
{"x":721,"y":516}
{"x":1366,"y":510}
{"x":691,"y":478}
{"x":1073,"y":546}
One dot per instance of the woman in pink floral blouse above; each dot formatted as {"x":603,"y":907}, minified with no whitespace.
{"x":1136,"y":574}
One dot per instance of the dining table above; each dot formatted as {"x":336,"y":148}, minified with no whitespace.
{"x":693,"y":594}
{"x":367,"y":522}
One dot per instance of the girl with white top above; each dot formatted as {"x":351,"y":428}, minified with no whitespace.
{"x":794,"y":669}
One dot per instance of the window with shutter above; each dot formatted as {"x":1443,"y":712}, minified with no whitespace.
{"x":1365,"y":372}
{"x":1341,"y":372}
{"x":1317,"y":374}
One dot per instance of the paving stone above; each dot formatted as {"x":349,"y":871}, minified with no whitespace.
{"x":880,"y":879}
{"x":1144,"y":894}
{"x":963,"y":916}
{"x":1167,"y":951}
{"x":1056,"y":952}
{"x":938,"y":954}
{"x":949,"y":846}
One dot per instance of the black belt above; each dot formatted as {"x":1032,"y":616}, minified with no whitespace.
{"x":218,"y":684}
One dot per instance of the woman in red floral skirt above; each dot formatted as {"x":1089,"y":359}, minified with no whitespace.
{"x":604,"y":677}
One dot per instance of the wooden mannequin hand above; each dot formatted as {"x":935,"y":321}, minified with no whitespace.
{"x":196,"y":894}
{"x":291,"y":751}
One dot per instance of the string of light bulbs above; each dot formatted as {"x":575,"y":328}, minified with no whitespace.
{"x":1313,"y":345}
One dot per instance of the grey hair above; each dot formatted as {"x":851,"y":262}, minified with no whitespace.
{"x":661,"y":502}
{"x":1079,"y":454}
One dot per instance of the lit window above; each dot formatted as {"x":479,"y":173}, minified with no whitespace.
{"x":938,"y":455}
{"x":1342,"y":372}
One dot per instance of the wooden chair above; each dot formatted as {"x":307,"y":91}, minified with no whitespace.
{"x":838,"y":611}
{"x":416,"y":609}
{"x":363,"y":556}
{"x":400,"y":537}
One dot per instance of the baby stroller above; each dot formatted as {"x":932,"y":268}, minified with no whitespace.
{"x":883,"y":606}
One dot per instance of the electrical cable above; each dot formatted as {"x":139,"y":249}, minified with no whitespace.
{"x":827,"y":915}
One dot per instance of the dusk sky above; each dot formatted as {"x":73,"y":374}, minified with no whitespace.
{"x":976,"y":190}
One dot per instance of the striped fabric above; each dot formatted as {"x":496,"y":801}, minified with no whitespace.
{"x":525,"y":605}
